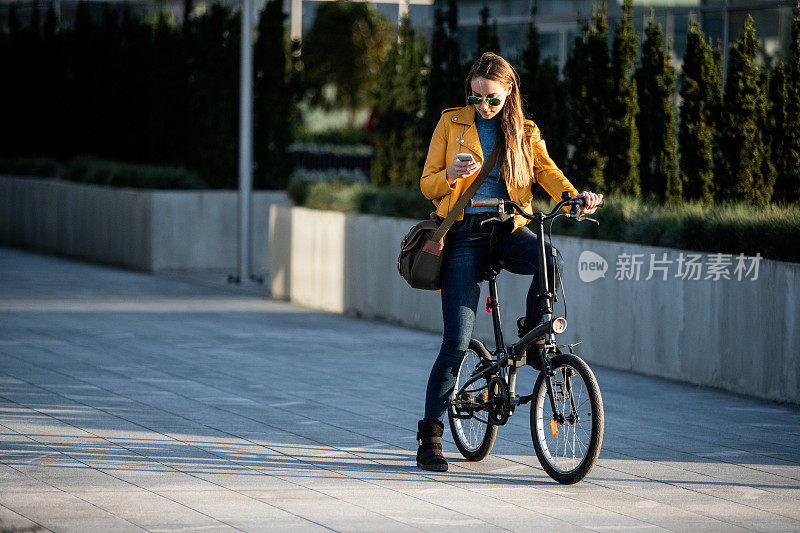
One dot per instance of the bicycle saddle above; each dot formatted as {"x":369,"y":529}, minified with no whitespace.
{"x":494,"y":269}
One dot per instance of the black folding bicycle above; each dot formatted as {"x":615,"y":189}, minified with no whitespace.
{"x":566,"y":406}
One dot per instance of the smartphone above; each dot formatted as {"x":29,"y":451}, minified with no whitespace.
{"x":466,"y":158}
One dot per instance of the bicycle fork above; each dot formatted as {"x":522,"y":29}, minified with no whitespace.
{"x":493,"y":305}
{"x":564,"y":393}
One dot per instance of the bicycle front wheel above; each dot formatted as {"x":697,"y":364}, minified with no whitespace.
{"x":568,"y":441}
{"x":474,"y":436}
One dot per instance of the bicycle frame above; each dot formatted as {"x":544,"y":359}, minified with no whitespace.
{"x":515,"y":355}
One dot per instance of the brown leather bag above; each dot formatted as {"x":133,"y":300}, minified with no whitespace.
{"x":420,"y":259}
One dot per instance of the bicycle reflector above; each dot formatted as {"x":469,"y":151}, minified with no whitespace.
{"x":554,"y":427}
{"x":559,"y":325}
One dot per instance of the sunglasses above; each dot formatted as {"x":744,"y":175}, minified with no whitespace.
{"x":476,"y":100}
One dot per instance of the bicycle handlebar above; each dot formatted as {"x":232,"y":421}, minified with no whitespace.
{"x":485,"y":202}
{"x":579,"y":202}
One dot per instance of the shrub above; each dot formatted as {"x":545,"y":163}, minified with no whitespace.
{"x":353,"y":197}
{"x":89,"y":170}
{"x":336,"y":136}
{"x":40,"y":167}
{"x":722,"y":227}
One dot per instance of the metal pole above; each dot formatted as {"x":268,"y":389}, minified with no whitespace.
{"x":297,"y":20}
{"x":246,"y":143}
{"x":402,"y":10}
{"x":726,"y":23}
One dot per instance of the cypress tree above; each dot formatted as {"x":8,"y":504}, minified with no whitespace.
{"x":215,"y":97}
{"x":659,"y":149}
{"x":80,"y":92}
{"x":399,"y":148}
{"x":445,"y":79}
{"x":35,"y":82}
{"x":5,"y":59}
{"x":494,"y":38}
{"x":105,"y":135}
{"x":745,"y":169}
{"x":14,"y":115}
{"x":435,"y":96}
{"x":454,"y":68}
{"x":588,"y":84}
{"x":701,"y":97}
{"x":622,"y":174}
{"x":543,"y":94}
{"x":134,"y":87}
{"x":274,"y":102}
{"x":168,"y":88}
{"x":488,"y":40}
{"x":785,"y":119}
{"x":52,"y":138}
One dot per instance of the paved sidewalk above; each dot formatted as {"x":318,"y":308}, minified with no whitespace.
{"x":132,"y":402}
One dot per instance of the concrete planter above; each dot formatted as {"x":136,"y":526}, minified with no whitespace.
{"x":142,"y":229}
{"x":739,"y":335}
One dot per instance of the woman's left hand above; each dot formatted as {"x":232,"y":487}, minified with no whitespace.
{"x":592,"y":200}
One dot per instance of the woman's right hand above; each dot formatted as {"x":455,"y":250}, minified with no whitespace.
{"x":461,"y":169}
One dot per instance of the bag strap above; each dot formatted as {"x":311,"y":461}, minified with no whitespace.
{"x":467,"y":196}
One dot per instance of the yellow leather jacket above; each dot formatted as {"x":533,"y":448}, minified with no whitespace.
{"x":456,"y":132}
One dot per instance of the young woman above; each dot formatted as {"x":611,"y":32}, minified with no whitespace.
{"x":492,"y":117}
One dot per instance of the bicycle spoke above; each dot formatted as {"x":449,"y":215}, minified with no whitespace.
{"x":567,"y":450}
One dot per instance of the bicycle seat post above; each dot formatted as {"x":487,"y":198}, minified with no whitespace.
{"x":493,"y":305}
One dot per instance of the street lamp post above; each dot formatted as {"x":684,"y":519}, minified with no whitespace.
{"x":246,"y":145}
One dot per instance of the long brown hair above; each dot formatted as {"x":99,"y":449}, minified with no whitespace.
{"x":517,"y":160}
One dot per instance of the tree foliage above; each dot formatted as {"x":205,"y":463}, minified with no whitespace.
{"x":588,"y":87}
{"x":445,"y":85}
{"x":744,"y":169}
{"x":622,"y":173}
{"x":274,"y":103}
{"x":785,"y":118}
{"x":658,"y":149}
{"x":399,"y":149}
{"x":343,"y":53}
{"x":488,"y":38}
{"x":155,"y":91}
{"x":543,"y":95}
{"x":701,"y":98}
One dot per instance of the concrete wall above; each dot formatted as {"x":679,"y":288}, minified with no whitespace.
{"x":142,"y":229}
{"x":737,"y":335}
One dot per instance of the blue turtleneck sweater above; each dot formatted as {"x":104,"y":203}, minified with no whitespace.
{"x":493,"y":186}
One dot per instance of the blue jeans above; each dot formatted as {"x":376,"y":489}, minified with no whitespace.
{"x":469,"y":250}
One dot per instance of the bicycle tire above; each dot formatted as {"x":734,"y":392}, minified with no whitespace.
{"x":474,"y":437}
{"x":551,"y":439}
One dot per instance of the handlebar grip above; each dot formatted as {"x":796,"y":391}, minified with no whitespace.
{"x":484,"y":202}
{"x":581,"y":201}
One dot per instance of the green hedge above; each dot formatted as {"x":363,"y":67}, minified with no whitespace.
{"x":349,"y":197}
{"x":728,"y":228}
{"x":40,"y":167}
{"x":114,"y":174}
{"x":345,"y":136}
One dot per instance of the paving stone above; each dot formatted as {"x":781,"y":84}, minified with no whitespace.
{"x":130,"y":402}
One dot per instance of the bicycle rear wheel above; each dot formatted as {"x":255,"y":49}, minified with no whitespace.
{"x":474,"y":436}
{"x":567,"y":445}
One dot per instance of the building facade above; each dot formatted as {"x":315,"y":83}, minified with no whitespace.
{"x":559,"y":21}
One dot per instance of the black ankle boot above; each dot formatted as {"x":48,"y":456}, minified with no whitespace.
{"x":429,"y":438}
